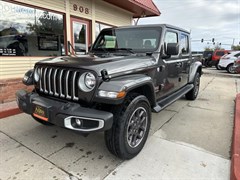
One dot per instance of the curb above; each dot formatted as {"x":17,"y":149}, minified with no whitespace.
{"x":235,"y":161}
{"x":10,"y":112}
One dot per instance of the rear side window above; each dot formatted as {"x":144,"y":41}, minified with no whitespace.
{"x":236,"y":55}
{"x":184,"y":45}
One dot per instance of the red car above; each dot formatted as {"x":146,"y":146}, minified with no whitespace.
{"x":217,"y":54}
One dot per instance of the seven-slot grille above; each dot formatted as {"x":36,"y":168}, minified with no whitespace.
{"x":59,"y":82}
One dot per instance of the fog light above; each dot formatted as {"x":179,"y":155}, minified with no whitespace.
{"x":78,"y":122}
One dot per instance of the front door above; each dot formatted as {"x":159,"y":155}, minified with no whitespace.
{"x":172,"y":64}
{"x":80,"y":36}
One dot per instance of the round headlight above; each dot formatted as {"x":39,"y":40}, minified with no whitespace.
{"x":90,"y":80}
{"x":87,"y":82}
{"x":37,"y":74}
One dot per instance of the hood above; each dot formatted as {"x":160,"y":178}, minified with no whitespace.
{"x":113,"y":64}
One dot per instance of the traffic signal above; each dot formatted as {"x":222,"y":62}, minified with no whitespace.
{"x":220,"y":44}
{"x":203,"y":40}
{"x":213,"y":40}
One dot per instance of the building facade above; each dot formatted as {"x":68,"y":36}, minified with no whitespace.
{"x":32,"y":30}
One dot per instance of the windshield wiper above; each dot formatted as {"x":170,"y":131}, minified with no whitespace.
{"x":126,"y":49}
{"x":100,"y":50}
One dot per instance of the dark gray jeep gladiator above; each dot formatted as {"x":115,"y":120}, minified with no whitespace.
{"x":128,"y":73}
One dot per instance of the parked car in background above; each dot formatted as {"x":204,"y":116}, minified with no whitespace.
{"x":217,"y":54}
{"x":207,"y":57}
{"x":236,"y":65}
{"x":227,"y":61}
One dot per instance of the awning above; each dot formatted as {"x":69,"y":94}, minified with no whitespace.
{"x":139,"y":8}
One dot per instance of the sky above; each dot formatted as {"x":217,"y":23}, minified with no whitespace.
{"x":205,"y":19}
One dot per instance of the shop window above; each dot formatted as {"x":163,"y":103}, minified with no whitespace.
{"x":99,"y":27}
{"x":26,"y":31}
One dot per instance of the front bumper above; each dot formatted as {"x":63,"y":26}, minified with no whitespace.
{"x":64,"y":114}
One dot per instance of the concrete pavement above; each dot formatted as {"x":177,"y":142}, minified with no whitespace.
{"x":188,"y":140}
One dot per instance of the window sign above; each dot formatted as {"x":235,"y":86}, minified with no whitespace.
{"x":26,"y":31}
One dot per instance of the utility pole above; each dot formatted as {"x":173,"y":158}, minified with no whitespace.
{"x":233,"y":41}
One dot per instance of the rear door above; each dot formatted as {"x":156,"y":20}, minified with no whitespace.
{"x":184,"y":59}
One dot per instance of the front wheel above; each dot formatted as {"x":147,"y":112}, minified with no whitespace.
{"x":130,"y":128}
{"x":230,"y":69}
{"x":192,"y":95}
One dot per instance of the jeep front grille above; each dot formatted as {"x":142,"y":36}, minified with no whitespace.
{"x":59,"y":82}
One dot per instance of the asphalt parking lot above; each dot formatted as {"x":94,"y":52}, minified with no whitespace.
{"x":188,"y":140}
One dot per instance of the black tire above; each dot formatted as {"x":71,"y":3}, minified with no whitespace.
{"x":42,"y":122}
{"x":217,"y":66}
{"x":126,"y":138}
{"x":209,"y":64}
{"x":192,"y":95}
{"x":230,"y":69}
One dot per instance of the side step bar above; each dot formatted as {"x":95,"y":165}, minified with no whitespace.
{"x":172,"y":98}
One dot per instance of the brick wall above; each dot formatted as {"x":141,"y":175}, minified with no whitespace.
{"x":8,"y":88}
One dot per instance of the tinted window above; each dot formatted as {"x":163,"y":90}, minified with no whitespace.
{"x":236,"y":55}
{"x":207,"y":53}
{"x":220,"y":53}
{"x":26,"y":31}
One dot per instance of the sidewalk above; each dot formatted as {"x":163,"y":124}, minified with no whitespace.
{"x":187,"y":140}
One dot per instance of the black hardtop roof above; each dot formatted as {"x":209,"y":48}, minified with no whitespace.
{"x":152,"y":25}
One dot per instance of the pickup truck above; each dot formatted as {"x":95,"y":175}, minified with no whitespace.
{"x":128,"y":73}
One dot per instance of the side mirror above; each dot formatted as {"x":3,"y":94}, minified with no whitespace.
{"x":172,"y":49}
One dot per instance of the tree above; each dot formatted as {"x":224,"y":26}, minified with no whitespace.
{"x":236,"y":48}
{"x":218,"y":47}
{"x":208,"y":49}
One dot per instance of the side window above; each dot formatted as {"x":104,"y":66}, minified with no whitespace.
{"x":236,"y":55}
{"x":171,"y":37}
{"x":184,"y":45}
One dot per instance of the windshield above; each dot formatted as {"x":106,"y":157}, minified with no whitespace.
{"x":129,"y":40}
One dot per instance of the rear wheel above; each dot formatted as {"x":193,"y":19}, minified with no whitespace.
{"x":130,"y":128}
{"x":230,"y":69}
{"x":192,"y":95}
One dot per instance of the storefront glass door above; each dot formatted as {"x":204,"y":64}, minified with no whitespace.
{"x":80,"y":36}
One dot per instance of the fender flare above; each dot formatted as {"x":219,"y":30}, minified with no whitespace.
{"x":129,"y":83}
{"x":195,"y":67}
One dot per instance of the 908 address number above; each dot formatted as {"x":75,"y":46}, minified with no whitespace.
{"x":81,"y":9}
